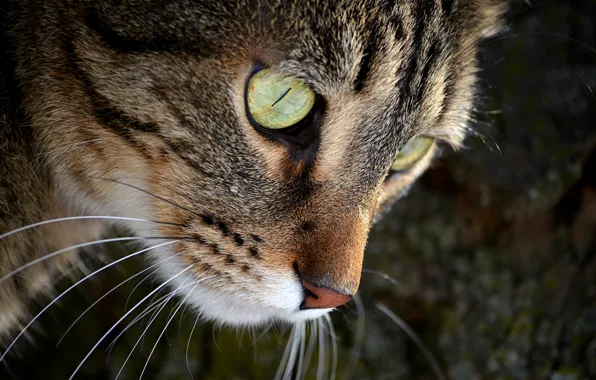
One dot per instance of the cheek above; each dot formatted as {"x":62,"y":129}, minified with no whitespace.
{"x":105,"y":173}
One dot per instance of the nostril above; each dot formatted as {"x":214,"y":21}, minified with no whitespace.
{"x":322,"y":298}
{"x":295,"y":266}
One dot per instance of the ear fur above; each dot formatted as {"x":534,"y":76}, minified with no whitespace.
{"x":492,"y":12}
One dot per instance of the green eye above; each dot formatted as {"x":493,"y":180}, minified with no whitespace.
{"x":278,"y":102}
{"x":412,"y":152}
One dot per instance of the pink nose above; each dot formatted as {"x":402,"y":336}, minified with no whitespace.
{"x":322,"y":298}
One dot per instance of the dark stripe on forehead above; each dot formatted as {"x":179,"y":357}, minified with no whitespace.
{"x":427,"y":71}
{"x":396,"y":21}
{"x":447,"y":6}
{"x":122,"y":43}
{"x":115,"y":119}
{"x":422,"y":12}
{"x":368,"y":55}
{"x":107,"y":116}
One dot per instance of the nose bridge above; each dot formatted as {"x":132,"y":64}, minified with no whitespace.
{"x":332,"y":252}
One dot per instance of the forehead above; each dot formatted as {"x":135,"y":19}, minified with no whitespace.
{"x":394,"y":56}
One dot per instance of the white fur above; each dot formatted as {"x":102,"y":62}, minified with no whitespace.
{"x":276,"y":300}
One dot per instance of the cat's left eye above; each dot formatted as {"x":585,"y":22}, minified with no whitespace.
{"x":414,"y":150}
{"x":276,"y":101}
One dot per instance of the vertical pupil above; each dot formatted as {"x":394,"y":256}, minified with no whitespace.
{"x":282,"y":96}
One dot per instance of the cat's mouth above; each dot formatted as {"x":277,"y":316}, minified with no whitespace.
{"x":243,"y":310}
{"x":280,"y":297}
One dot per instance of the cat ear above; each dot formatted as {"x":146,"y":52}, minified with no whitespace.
{"x":492,"y":20}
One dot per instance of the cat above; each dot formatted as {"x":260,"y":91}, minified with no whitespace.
{"x":248,"y":145}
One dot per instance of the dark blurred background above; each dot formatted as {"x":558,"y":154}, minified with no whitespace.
{"x":491,"y":255}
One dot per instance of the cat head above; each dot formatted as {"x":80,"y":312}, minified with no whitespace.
{"x":263,"y":136}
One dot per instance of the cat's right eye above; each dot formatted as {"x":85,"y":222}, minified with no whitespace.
{"x":278,"y":102}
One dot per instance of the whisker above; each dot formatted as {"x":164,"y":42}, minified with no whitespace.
{"x":299,"y":374}
{"x":358,"y":338}
{"x":585,"y":83}
{"x":333,"y":347}
{"x":62,"y":149}
{"x":139,"y":284}
{"x":295,"y":342}
{"x":160,"y":305}
{"x":321,"y":364}
{"x":84,"y":217}
{"x":550,"y":34}
{"x":72,"y":287}
{"x":182,"y":318}
{"x":312,"y":340}
{"x":284,"y":361}
{"x":328,"y":331}
{"x":188,"y":345}
{"x":113,"y":289}
{"x":156,"y":313}
{"x":382,"y":275}
{"x":168,"y":323}
{"x":264,"y":332}
{"x":161,"y":301}
{"x":123,"y":317}
{"x":193,"y":329}
{"x":154,"y":307}
{"x":148,"y":193}
{"x":412,"y":334}
{"x":77,"y":246}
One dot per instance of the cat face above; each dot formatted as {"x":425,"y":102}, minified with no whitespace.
{"x":267,"y":209}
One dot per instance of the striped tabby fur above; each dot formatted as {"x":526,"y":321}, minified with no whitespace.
{"x":135,"y":109}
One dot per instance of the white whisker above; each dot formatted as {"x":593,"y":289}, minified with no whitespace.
{"x":72,"y":287}
{"x":333,"y":346}
{"x":312,"y":339}
{"x":300,"y":369}
{"x":70,"y":218}
{"x":321,"y":364}
{"x":67,"y":249}
{"x":192,"y":332}
{"x":113,"y":289}
{"x":328,"y":330}
{"x":382,"y":275}
{"x":137,"y":285}
{"x":358,"y":339}
{"x":182,"y":318}
{"x":194,"y":326}
{"x":284,"y":361}
{"x":160,"y":305}
{"x":161,"y":301}
{"x":166,"y":326}
{"x":265,"y":331}
{"x":295,"y":338}
{"x":122,"y":318}
{"x":425,"y":351}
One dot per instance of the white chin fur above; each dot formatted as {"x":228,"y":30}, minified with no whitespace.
{"x":277,"y":300}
